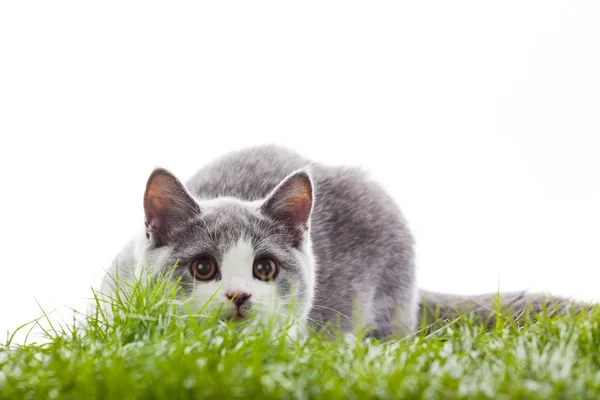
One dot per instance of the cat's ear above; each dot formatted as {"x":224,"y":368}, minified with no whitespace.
{"x":291,"y":203}
{"x":167,"y":205}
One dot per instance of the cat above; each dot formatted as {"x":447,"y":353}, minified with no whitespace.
{"x":263,"y":231}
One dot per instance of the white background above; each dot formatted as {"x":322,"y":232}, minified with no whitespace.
{"x":482,"y":120}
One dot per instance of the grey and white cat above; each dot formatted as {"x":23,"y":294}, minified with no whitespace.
{"x":265,"y":231}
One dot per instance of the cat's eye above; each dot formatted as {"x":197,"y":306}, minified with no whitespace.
{"x":265,"y":269}
{"x":204,"y":269}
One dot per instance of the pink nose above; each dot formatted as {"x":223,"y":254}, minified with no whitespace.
{"x":238,"y":298}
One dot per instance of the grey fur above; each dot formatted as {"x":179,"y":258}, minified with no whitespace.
{"x":362,"y":248}
{"x":509,"y":307}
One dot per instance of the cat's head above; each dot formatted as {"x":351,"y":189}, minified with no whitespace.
{"x":244,"y":258}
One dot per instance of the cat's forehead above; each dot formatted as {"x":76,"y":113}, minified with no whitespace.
{"x":225,"y":211}
{"x":222,"y":222}
{"x":229,"y":219}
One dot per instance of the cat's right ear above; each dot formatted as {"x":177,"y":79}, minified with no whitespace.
{"x":167,"y":205}
{"x":291,"y":203}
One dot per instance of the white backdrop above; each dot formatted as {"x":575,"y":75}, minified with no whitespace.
{"x":482,"y":120}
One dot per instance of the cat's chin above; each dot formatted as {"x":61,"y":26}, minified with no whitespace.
{"x":238,"y":317}
{"x":235,"y":316}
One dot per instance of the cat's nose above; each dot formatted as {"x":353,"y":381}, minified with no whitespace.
{"x":238,"y":298}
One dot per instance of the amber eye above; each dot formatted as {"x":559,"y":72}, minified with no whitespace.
{"x":204,"y":269}
{"x":265,"y":269}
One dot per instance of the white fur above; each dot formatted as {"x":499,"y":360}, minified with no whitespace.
{"x":306,"y":254}
{"x":237,"y":276}
{"x":236,"y":270}
{"x":238,"y":262}
{"x":153,"y":260}
{"x":406,"y":316}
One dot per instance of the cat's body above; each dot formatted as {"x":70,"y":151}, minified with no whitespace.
{"x":362,"y":247}
{"x":342,"y":251}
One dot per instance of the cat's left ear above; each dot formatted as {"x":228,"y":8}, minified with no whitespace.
{"x":291,"y":203}
{"x":167,"y":205}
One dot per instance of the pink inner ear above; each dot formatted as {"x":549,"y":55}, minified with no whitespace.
{"x":158,"y":199}
{"x":166,"y":204}
{"x":300,"y":204}
{"x":291,"y":202}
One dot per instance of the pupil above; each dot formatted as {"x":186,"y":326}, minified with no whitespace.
{"x":264,"y":269}
{"x":203,"y":269}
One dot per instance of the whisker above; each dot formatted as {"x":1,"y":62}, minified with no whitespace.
{"x":280,"y":314}
{"x":328,"y":308}
{"x":320,"y":324}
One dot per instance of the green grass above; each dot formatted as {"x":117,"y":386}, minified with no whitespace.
{"x":150,"y":350}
